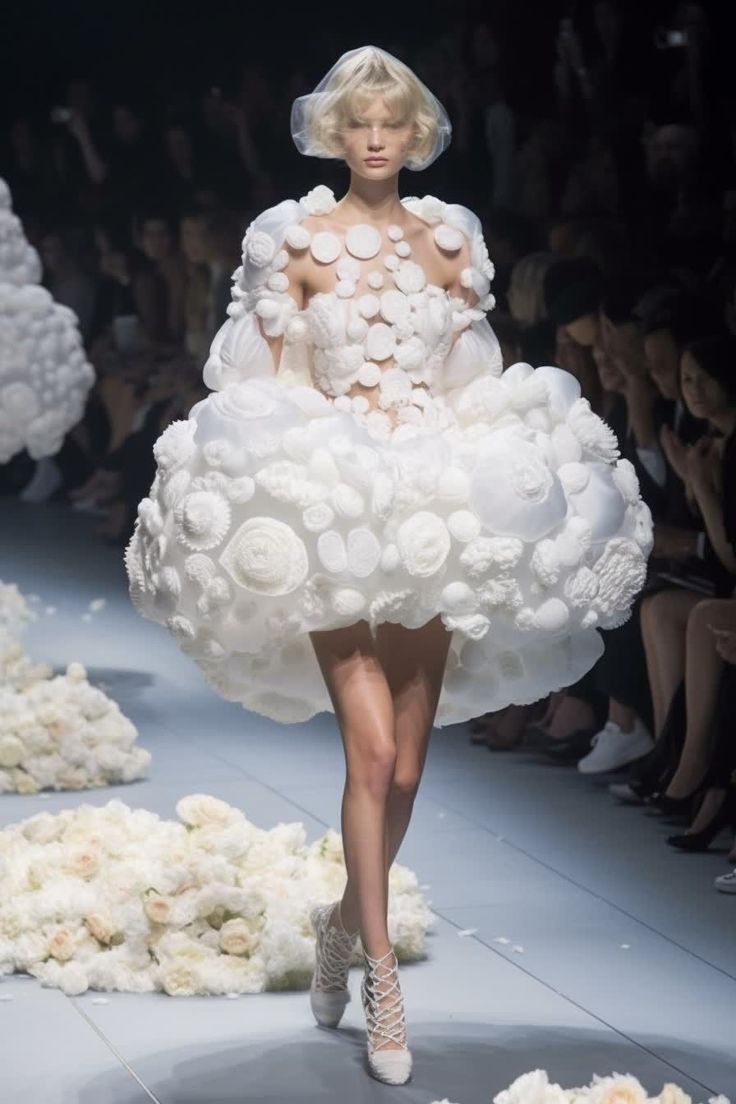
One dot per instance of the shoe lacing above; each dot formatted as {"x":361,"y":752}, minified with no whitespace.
{"x":385,"y":1023}
{"x":334,"y":952}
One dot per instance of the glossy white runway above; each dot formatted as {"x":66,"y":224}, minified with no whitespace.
{"x":508,"y":844}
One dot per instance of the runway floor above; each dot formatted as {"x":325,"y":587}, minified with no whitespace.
{"x":629,"y":954}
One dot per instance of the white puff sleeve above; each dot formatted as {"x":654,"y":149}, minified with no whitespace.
{"x":476,"y":350}
{"x":260,"y":302}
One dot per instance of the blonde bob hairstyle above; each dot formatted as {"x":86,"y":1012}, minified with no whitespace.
{"x":355,"y":80}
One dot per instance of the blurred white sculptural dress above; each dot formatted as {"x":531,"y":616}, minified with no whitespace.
{"x":44,"y":374}
{"x":288,"y":503}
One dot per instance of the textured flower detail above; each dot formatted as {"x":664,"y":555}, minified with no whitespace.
{"x":424,"y":543}
{"x":473,"y":625}
{"x":266,"y":556}
{"x":410,"y":277}
{"x":240,"y":401}
{"x":581,"y":588}
{"x":592,"y":432}
{"x":174,"y":487}
{"x":240,"y":490}
{"x":363,"y":552}
{"x":203,"y":519}
{"x":625,"y":478}
{"x":259,"y":248}
{"x":289,"y":482}
{"x":621,"y":570}
{"x":199,"y":568}
{"x":502,"y":592}
{"x":392,"y":605}
{"x":318,"y":517}
{"x":347,"y":501}
{"x":348,"y":602}
{"x":447,"y":237}
{"x":545,"y":563}
{"x":325,"y":246}
{"x":380,"y":341}
{"x":175,"y":445}
{"x":363,"y":241}
{"x":327,"y":326}
{"x":149,"y":513}
{"x":529,"y":476}
{"x":429,"y":208}
{"x":464,"y":525}
{"x":319,"y":201}
{"x":484,"y":554}
{"x":297,"y":236}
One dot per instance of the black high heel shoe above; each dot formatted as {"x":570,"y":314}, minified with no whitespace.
{"x":701,"y":841}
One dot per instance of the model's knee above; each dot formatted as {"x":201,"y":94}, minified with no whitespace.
{"x":405,"y":784}
{"x":372,"y":766}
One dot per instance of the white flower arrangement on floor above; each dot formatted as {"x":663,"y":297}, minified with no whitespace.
{"x":536,"y":1088}
{"x":114,"y":898}
{"x":61,"y":733}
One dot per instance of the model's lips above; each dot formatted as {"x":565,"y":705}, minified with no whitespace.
{"x":376,"y":160}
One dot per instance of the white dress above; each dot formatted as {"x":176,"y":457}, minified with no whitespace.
{"x":286,"y":503}
{"x":44,"y":374}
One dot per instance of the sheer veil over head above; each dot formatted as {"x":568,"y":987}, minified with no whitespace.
{"x":357,"y":76}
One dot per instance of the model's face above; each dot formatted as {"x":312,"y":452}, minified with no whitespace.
{"x":703,"y":395}
{"x":374,"y":144}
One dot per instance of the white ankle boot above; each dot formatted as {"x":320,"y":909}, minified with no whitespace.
{"x":385,"y":1020}
{"x":329,"y":993}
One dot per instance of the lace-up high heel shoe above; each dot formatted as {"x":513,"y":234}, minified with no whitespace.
{"x":384,"y":1016}
{"x":329,"y":993}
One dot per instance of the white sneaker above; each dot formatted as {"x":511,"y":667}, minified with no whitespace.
{"x":726,"y":883}
{"x":45,"y":480}
{"x":614,"y":748}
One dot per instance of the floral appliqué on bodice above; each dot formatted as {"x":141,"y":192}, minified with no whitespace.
{"x":379,"y":339}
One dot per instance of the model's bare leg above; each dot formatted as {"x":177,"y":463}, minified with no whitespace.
{"x":663,"y":625}
{"x":364,"y":709}
{"x":702,"y":678}
{"x":414,"y":663}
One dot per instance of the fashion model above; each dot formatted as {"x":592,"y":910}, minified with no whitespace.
{"x":368,"y":515}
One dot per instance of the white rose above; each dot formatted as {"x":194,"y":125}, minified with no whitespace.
{"x":236,"y":938}
{"x":11,"y":751}
{"x":202,"y":810}
{"x":260,"y":248}
{"x":319,"y":201}
{"x":266,"y":556}
{"x":618,"y":1089}
{"x":424,"y":543}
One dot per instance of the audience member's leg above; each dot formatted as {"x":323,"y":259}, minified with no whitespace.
{"x":702,"y":679}
{"x":664,"y":619}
